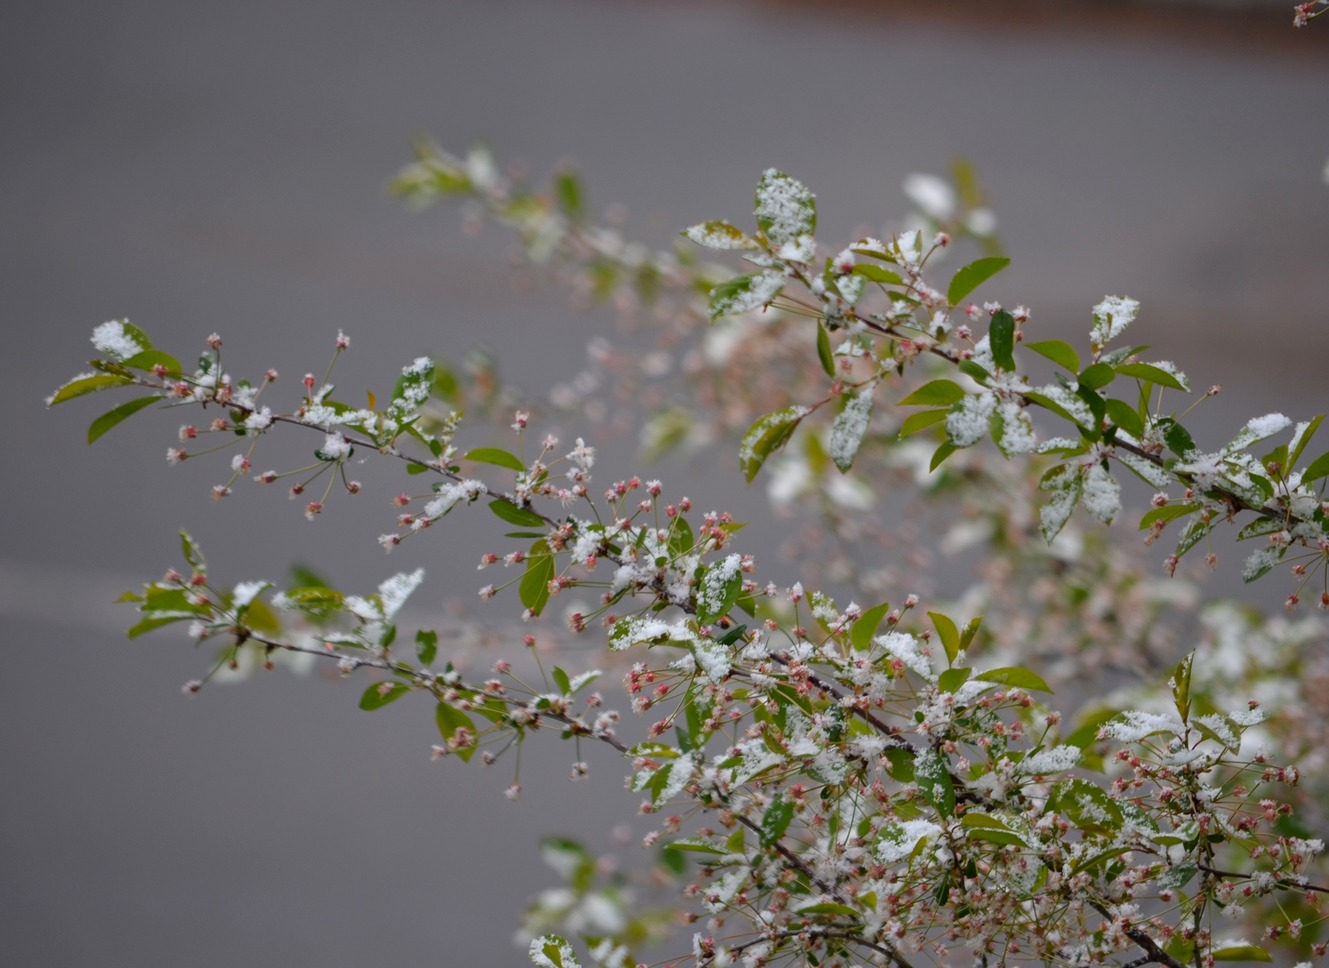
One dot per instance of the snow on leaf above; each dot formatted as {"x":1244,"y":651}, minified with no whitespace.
{"x":785,"y":209}
{"x":720,"y":235}
{"x":397,"y":589}
{"x":898,"y":841}
{"x":746,"y":292}
{"x":1261,"y":561}
{"x":1111,"y":317}
{"x":968,"y":420}
{"x":849,"y":427}
{"x":1257,"y":429}
{"x":1017,"y":430}
{"x":1059,"y":759}
{"x":1066,"y":485}
{"x":1134,"y":725}
{"x":1101,"y":493}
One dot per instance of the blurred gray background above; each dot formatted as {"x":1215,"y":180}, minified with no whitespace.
{"x":203,"y":166}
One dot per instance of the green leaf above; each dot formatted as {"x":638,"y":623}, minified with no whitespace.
{"x":921,"y":420}
{"x":866,"y":625}
{"x":148,"y":360}
{"x":449,"y":719}
{"x":1097,"y":375}
{"x":974,"y":370}
{"x":719,"y":234}
{"x":969,"y":631}
{"x":567,"y":186}
{"x":829,"y":907}
{"x":953,"y":679}
{"x":948,"y":633}
{"x":154,"y":622}
{"x":561,"y":680}
{"x":1178,"y":440}
{"x":112,"y":417}
{"x":534,"y":588}
{"x":936,"y":393}
{"x":681,"y":538}
{"x":1001,"y":338}
{"x":522,"y":517}
{"x":1318,"y":468}
{"x":1181,"y":687}
{"x":824,"y":350}
{"x":878,"y":274}
{"x":1058,"y":351}
{"x":775,"y":821}
{"x":379,"y":694}
{"x":1166,"y":513}
{"x":426,"y":646}
{"x":1016,"y":677}
{"x":767,"y":434}
{"x":1124,"y":416}
{"x":88,"y":384}
{"x":752,"y":290}
{"x":1303,"y":439}
{"x":940,"y":454}
{"x":784,"y":207}
{"x":850,"y":425}
{"x":933,"y":776}
{"x":972,"y":276}
{"x":1241,"y":952}
{"x":494,"y":455}
{"x":1151,"y":374}
{"x":1047,"y":403}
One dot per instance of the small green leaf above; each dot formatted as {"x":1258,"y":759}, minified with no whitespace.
{"x":1241,"y":952}
{"x":767,"y":434}
{"x":494,"y":455}
{"x":1058,"y":351}
{"x":933,"y":776}
{"x":449,"y":719}
{"x":948,"y":633}
{"x":1151,"y":374}
{"x":974,"y":370}
{"x":936,"y":393}
{"x":1124,"y":416}
{"x":568,"y":188}
{"x":426,"y":646}
{"x":824,"y":350}
{"x":752,"y":290}
{"x":561,"y":680}
{"x":969,"y":631}
{"x":850,"y":426}
{"x":1304,"y":438}
{"x":1178,"y":440}
{"x":866,"y":625}
{"x":972,"y":276}
{"x":112,"y":417}
{"x":1167,"y":512}
{"x":1097,"y":375}
{"x":1016,"y":677}
{"x":88,"y":384}
{"x":379,"y":694}
{"x":953,"y":679}
{"x":522,"y":517}
{"x":878,"y":274}
{"x":534,"y":588}
{"x":1047,"y":403}
{"x":1181,"y":687}
{"x":1318,"y":468}
{"x":829,"y":907}
{"x":940,"y":454}
{"x":1001,"y":338}
{"x":721,"y":235}
{"x":784,"y":207}
{"x":775,"y":821}
{"x":148,"y":360}
{"x":921,"y":420}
